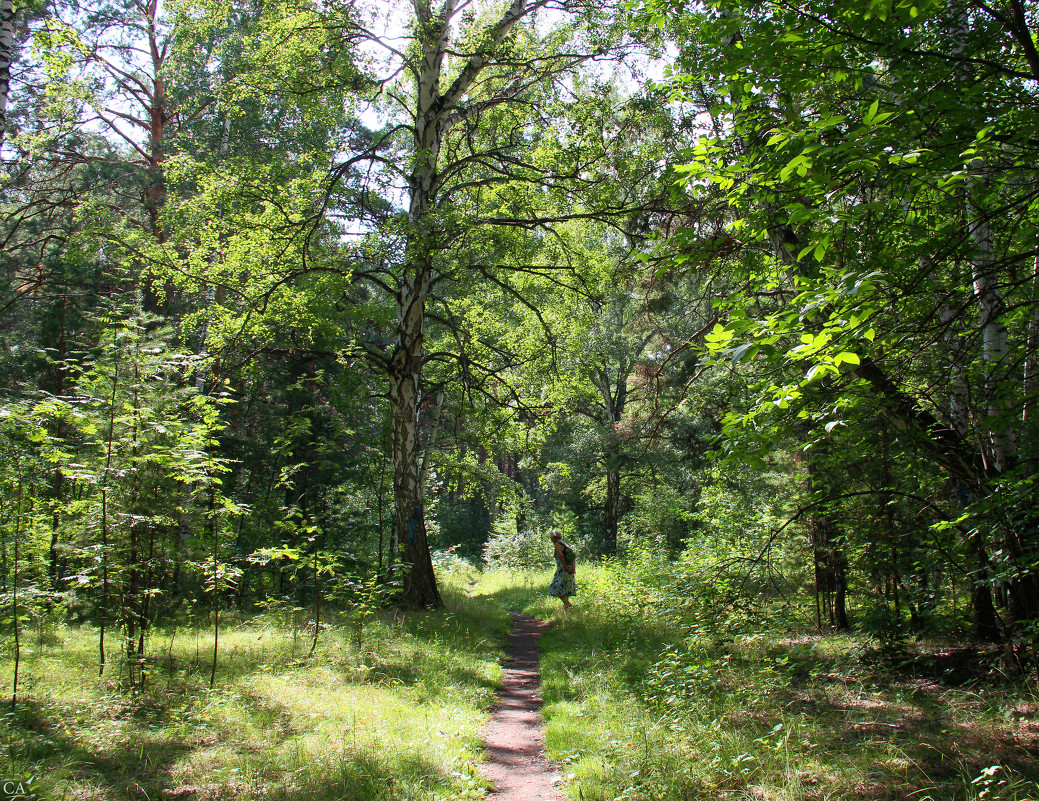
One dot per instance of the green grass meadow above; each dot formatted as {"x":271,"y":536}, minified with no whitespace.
{"x":390,"y":710}
{"x":646,"y":697}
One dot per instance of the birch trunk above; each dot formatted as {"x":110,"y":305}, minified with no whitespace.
{"x":6,"y":59}
{"x":419,"y":580}
{"x":405,"y":367}
{"x":435,"y":111}
{"x":1001,"y":445}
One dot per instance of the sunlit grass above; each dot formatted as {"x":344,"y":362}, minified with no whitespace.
{"x":643,"y":700}
{"x":392,"y":710}
{"x":648,"y":697}
{"x":518,"y":590}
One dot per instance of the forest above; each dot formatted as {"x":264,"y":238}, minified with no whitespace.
{"x":316,"y":317}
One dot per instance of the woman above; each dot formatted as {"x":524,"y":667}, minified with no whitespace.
{"x":563,"y":584}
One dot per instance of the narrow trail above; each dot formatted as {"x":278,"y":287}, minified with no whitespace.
{"x":515,"y":734}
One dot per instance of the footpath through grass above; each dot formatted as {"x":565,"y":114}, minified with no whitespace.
{"x":648,"y":696}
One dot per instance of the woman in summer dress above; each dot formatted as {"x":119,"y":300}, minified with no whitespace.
{"x":563,"y":583}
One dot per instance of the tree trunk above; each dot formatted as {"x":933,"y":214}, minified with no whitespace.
{"x":419,"y":582}
{"x":6,"y":59}
{"x":1031,"y":348}
{"x":831,"y":569}
{"x":831,"y":565}
{"x":434,"y":113}
{"x":995,"y":337}
{"x":1021,"y":582}
{"x":419,"y":585}
{"x":613,"y":499}
{"x":986,"y":625}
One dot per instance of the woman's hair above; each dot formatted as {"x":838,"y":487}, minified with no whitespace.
{"x":555,"y":534}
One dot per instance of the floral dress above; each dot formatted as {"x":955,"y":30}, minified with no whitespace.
{"x":563,"y":582}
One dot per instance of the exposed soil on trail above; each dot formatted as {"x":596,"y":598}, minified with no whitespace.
{"x":515,"y":734}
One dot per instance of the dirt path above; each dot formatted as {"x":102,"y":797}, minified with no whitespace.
{"x":515,"y":734}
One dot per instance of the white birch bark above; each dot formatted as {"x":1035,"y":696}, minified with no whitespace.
{"x":999,"y":446}
{"x":435,"y":111}
{"x":6,"y":59}
{"x":995,"y":337}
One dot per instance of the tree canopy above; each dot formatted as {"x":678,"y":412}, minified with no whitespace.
{"x":298,"y":300}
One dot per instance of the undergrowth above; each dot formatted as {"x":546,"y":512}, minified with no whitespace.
{"x":655,"y":688}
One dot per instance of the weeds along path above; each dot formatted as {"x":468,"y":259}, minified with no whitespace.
{"x":515,"y":734}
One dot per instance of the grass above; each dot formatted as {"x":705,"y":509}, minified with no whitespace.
{"x":650,"y":694}
{"x":649,"y":699}
{"x":396,"y":714}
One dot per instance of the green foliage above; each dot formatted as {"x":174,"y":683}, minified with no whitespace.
{"x":510,"y":549}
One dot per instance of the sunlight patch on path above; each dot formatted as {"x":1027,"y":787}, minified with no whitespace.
{"x":515,"y":735}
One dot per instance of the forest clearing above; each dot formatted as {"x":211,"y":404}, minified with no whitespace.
{"x":328,"y":326}
{"x":644,"y":698}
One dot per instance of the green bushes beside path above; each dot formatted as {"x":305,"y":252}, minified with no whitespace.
{"x":652,"y":695}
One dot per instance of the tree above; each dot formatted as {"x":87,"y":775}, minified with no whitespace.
{"x":476,"y":91}
{"x":867,"y":154}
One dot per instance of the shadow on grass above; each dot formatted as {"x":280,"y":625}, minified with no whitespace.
{"x":141,"y":764}
{"x":35,"y":735}
{"x":167,"y":743}
{"x":142,"y":770}
{"x":809,"y":725}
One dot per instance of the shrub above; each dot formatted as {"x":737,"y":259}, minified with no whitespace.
{"x":509,"y":549}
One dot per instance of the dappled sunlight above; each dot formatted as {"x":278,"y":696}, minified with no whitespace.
{"x":404,"y":710}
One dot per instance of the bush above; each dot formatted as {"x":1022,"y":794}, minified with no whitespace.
{"x":509,"y":549}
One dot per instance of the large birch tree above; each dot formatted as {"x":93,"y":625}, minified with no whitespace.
{"x":491,"y":129}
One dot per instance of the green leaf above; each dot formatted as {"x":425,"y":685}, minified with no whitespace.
{"x":872,"y":112}
{"x":741,"y":351}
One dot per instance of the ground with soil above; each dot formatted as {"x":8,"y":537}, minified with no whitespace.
{"x":515,"y":734}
